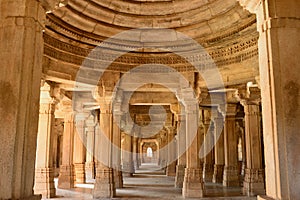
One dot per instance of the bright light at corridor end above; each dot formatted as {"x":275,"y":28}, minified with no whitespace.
{"x":163,"y":40}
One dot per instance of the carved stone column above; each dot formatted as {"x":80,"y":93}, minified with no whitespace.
{"x":136,"y":152}
{"x":278,"y":26}
{"x":21,"y":69}
{"x":90,"y":148}
{"x":181,"y":164}
{"x":230,"y":176}
{"x":127,"y":165}
{"x":208,"y":167}
{"x":66,"y":173}
{"x":116,"y":150}
{"x":79,"y":148}
{"x":254,"y":172}
{"x":193,"y":182}
{"x":44,"y":171}
{"x":104,"y":186}
{"x":219,"y":149}
{"x":171,"y":168}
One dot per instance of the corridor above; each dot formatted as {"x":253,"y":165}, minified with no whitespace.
{"x":150,"y":182}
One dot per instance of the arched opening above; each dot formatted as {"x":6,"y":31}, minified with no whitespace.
{"x":149,"y":152}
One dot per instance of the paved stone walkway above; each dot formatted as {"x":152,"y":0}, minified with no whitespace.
{"x":150,"y":183}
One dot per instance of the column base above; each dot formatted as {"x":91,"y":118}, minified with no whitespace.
{"x":136,"y":165}
{"x":66,"y":177}
{"x":171,"y":169}
{"x":34,"y":197}
{"x":218,"y":174}
{"x":44,"y":182}
{"x":263,"y":197}
{"x":208,"y":171}
{"x":104,"y":185}
{"x":193,"y":186}
{"x":127,"y":169}
{"x":254,"y":182}
{"x":179,"y":176}
{"x":79,"y":172}
{"x":118,"y":178}
{"x":89,"y":172}
{"x":231,"y":177}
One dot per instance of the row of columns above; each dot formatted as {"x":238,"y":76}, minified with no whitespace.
{"x":220,"y":165}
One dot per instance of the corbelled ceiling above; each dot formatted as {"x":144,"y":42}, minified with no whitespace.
{"x":222,"y":27}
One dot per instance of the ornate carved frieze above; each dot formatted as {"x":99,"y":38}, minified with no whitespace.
{"x":65,"y":52}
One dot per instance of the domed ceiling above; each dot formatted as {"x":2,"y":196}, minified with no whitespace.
{"x":226,"y":31}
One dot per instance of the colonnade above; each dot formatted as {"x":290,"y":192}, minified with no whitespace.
{"x":21,"y":26}
{"x":92,"y":144}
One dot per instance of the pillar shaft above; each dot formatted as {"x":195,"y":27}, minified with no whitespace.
{"x":181,"y":141}
{"x":66,"y":174}
{"x":278,"y":26}
{"x":219,"y":149}
{"x":208,"y":167}
{"x":90,"y":148}
{"x":127,"y":165}
{"x":44,"y":169}
{"x":104,"y":186}
{"x":21,"y":60}
{"x":118,"y":176}
{"x":230,"y":176}
{"x":193,"y":182}
{"x":171,"y":168}
{"x":79,"y":149}
{"x":254,"y":173}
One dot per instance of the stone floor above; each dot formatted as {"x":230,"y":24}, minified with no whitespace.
{"x":150,"y":183}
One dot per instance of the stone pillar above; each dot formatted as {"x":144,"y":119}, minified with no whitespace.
{"x":104,"y":186}
{"x":44,"y":171}
{"x":171,"y":168}
{"x":230,"y":176}
{"x":254,"y":172}
{"x":208,"y":167}
{"x":21,"y":69}
{"x":136,"y":152}
{"x":79,"y":148}
{"x":219,"y":148}
{"x":163,"y":152}
{"x":181,"y":164}
{"x":90,"y":148}
{"x":66,"y":173}
{"x":193,"y":182}
{"x":278,"y":26}
{"x":127,"y":165}
{"x":116,"y":150}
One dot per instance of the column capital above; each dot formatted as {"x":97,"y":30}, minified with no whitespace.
{"x":249,"y":95}
{"x":230,"y":109}
{"x":250,"y":5}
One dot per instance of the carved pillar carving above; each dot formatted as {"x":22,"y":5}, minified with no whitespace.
{"x":66,"y":173}
{"x":116,"y":152}
{"x":278,"y":26}
{"x":79,"y":148}
{"x":127,"y":165}
{"x":104,"y":186}
{"x":230,"y":176}
{"x":90,"y":148}
{"x":21,"y":69}
{"x":181,"y":164}
{"x":254,"y":172}
{"x":193,"y":181}
{"x":208,"y":167}
{"x":44,"y":171}
{"x":171,"y":168}
{"x":219,"y":148}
